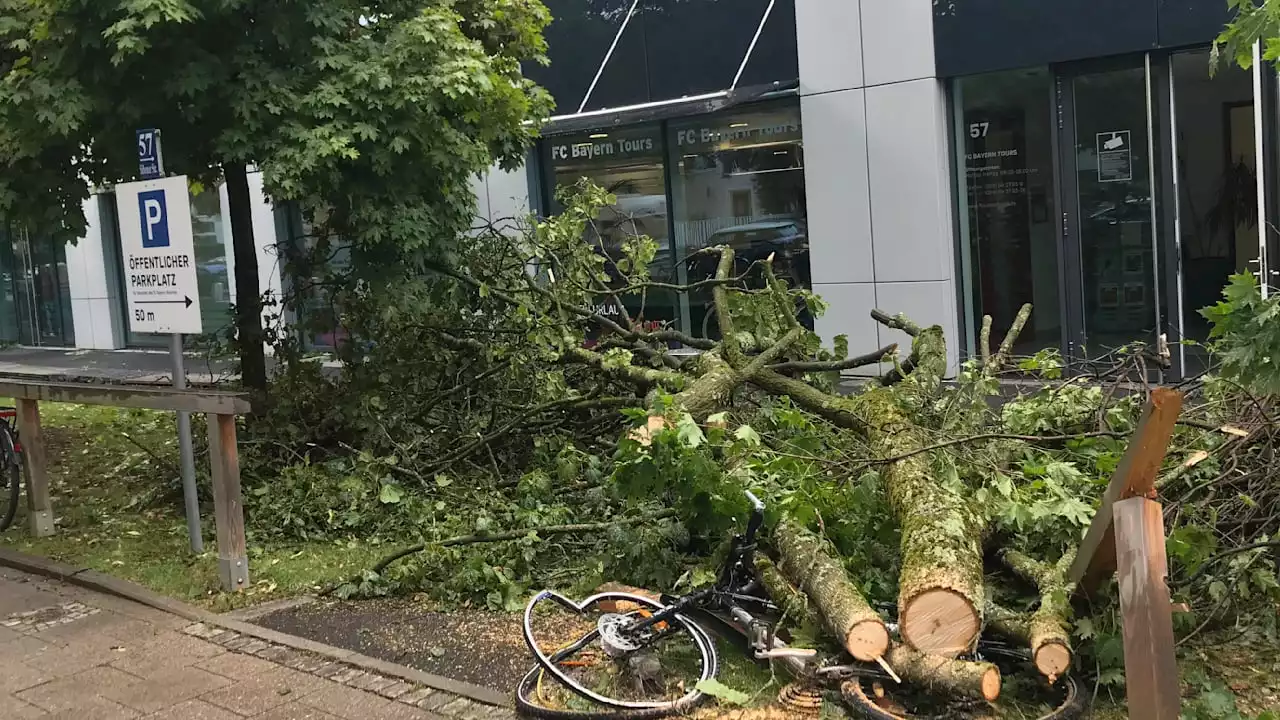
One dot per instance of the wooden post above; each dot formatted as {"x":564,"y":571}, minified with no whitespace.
{"x":1135,"y":476}
{"x":39,"y":508}
{"x":228,"y":505}
{"x":1150,"y":665}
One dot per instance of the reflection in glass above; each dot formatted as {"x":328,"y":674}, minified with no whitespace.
{"x":1005,"y":122}
{"x":628,"y":163}
{"x":213,"y":248}
{"x":1217,"y":186}
{"x":1114,"y":193}
{"x":738,"y":180}
{"x":312,"y":257}
{"x":35,"y":298}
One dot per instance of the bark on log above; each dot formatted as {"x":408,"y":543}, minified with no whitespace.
{"x":846,"y":614}
{"x":941,"y":594}
{"x":944,"y":675}
{"x":795,"y":607}
{"x":1047,"y":632}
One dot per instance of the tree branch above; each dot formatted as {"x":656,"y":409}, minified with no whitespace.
{"x":802,"y":366}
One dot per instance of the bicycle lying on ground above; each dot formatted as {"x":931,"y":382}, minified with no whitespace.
{"x":11,"y":467}
{"x":633,"y":657}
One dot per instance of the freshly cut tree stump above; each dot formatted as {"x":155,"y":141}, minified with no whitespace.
{"x":941,"y":594}
{"x":1046,"y":630}
{"x":978,"y":680}
{"x":845,"y":612}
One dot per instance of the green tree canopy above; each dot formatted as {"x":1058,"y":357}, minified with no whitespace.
{"x":375,"y":112}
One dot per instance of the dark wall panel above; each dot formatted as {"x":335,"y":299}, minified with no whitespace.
{"x":670,"y":49}
{"x":1191,"y":22}
{"x":973,"y":36}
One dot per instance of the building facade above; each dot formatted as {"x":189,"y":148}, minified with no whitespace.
{"x":943,"y":158}
{"x":947,"y":159}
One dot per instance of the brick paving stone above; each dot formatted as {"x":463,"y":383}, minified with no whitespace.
{"x":15,"y":676}
{"x":436,"y":700}
{"x":345,"y":702}
{"x":15,"y":709}
{"x":296,"y":711}
{"x":194,"y":710}
{"x":400,"y":711}
{"x":257,"y":695}
{"x":416,"y":696}
{"x":166,"y":689}
{"x":67,"y":692}
{"x":94,"y":708}
{"x":85,"y":653}
{"x":165,"y":652}
{"x":396,"y":690}
{"x":235,"y":665}
{"x":457,"y":707}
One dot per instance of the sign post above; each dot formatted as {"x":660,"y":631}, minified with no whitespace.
{"x":163,"y":297}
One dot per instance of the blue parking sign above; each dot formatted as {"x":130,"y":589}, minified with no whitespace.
{"x":154,"y":215}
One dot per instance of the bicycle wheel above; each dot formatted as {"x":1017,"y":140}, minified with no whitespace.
{"x":10,"y":478}
{"x":617,"y":665}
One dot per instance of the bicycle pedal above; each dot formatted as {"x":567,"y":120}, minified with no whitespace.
{"x":802,"y":698}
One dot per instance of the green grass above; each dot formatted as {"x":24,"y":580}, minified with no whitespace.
{"x":115,"y":492}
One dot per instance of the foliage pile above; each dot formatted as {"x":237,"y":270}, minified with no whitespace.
{"x":493,"y":400}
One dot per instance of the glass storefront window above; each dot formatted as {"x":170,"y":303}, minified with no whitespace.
{"x":310,"y":260}
{"x":738,"y":180}
{"x":1005,"y":128}
{"x":628,"y":163}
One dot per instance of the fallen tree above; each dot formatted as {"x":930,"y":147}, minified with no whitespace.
{"x":893,"y":502}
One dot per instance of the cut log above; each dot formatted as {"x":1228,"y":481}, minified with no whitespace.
{"x":846,"y":614}
{"x":944,"y":675}
{"x":941,"y":594}
{"x":1047,"y":632}
{"x":936,"y":674}
{"x":795,"y":607}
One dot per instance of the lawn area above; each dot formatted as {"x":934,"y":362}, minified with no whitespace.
{"x":116,"y":494}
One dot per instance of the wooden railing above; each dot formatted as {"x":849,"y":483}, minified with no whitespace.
{"x":1127,"y":538}
{"x":221,"y":409}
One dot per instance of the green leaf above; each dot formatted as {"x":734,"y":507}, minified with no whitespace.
{"x":688,"y":432}
{"x":443,"y":481}
{"x":722,"y":692}
{"x":390,"y":495}
{"x":747,"y":434}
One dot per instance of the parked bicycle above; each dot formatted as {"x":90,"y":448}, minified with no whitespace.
{"x":625,"y":656}
{"x":11,"y":466}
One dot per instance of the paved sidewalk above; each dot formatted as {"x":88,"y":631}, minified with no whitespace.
{"x":68,"y":652}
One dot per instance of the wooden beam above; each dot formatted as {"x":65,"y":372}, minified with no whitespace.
{"x":126,"y":396}
{"x":1150,"y":664}
{"x":31,"y":433}
{"x":228,"y":504}
{"x":1135,"y":476}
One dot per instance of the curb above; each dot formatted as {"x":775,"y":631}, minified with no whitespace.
{"x":239,"y":636}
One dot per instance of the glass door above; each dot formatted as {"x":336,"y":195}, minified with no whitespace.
{"x":1109,"y":221}
{"x":40,"y":289}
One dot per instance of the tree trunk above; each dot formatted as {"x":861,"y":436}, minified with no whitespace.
{"x":941,"y":594}
{"x":253,"y":362}
{"x":846,"y":613}
{"x":943,"y":675}
{"x":1046,"y":630}
{"x":795,"y":607}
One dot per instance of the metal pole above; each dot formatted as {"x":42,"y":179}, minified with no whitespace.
{"x":189,"y":494}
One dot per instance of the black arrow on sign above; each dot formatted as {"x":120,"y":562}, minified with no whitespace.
{"x":186,"y":301}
